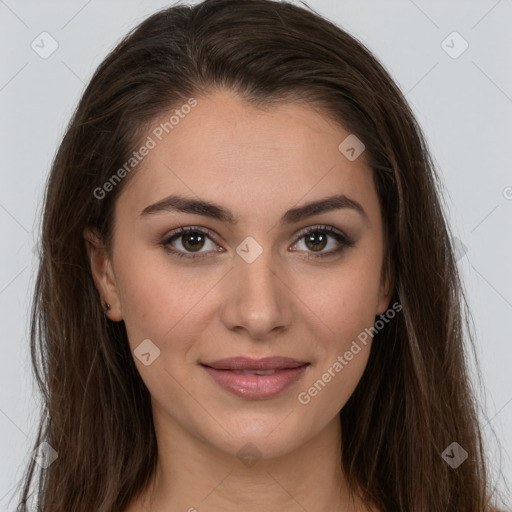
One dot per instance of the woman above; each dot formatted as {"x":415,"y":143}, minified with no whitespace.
{"x":247,"y":297}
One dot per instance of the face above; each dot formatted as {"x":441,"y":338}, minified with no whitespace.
{"x":275,"y":280}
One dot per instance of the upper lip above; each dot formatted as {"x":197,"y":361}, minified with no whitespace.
{"x":247,"y":363}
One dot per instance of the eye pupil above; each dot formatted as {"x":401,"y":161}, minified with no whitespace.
{"x":195,"y":239}
{"x":314,"y":236}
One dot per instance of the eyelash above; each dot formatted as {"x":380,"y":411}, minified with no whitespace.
{"x":340,"y":237}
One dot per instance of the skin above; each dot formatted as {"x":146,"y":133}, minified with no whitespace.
{"x":258,"y":164}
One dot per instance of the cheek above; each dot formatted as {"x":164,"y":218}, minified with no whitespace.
{"x":342,"y":354}
{"x":348,"y":308}
{"x":348,"y":302}
{"x":329,"y":389}
{"x":158,"y":305}
{"x":154,"y":300}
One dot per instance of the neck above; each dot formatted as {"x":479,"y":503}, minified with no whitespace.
{"x":192,"y":475}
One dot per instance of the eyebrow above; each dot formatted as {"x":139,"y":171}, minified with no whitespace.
{"x":208,"y":209}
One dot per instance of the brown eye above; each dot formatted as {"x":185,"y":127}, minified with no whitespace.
{"x":316,"y":240}
{"x":192,"y":241}
{"x":183,"y":242}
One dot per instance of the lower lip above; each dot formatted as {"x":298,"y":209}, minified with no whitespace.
{"x":256,"y":386}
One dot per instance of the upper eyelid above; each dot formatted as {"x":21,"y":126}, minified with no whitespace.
{"x":182,"y":230}
{"x":320,"y":227}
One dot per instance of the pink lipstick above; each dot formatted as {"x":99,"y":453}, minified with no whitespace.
{"x":256,"y":378}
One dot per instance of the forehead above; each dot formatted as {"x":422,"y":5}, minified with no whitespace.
{"x":231,"y":152}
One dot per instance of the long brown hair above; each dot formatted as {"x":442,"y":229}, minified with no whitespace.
{"x":414,"y":398}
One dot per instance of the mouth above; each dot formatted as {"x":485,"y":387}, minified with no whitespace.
{"x":256,"y":378}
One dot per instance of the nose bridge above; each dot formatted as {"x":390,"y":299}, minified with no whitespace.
{"x":257,"y":301}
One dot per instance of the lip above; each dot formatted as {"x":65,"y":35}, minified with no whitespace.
{"x":286,"y":371}
{"x":248,"y":363}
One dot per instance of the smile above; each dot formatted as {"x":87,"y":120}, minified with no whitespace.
{"x":256,"y":379}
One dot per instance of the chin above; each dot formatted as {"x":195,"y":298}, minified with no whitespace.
{"x":257,"y":437}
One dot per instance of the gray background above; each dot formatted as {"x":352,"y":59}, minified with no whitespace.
{"x":463,"y":104}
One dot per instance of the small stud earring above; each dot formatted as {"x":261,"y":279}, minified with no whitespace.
{"x":107,"y":308}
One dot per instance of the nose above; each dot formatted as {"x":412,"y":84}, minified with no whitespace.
{"x":258,"y":299}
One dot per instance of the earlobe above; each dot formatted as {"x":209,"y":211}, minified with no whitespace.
{"x":385,"y":291}
{"x":102,"y":274}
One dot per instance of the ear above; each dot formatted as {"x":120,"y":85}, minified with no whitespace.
{"x":386,"y":287}
{"x":102,"y":273}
